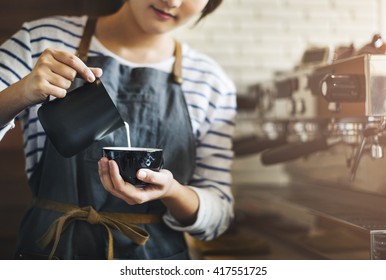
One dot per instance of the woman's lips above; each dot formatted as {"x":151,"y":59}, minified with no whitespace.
{"x":162,"y":14}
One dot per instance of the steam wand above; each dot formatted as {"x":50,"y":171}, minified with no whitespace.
{"x":367,"y":133}
{"x":357,"y":158}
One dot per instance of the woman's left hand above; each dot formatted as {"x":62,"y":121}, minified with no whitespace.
{"x":180,"y":200}
{"x":161,"y":184}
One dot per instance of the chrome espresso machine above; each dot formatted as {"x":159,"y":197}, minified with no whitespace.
{"x":324,"y":124}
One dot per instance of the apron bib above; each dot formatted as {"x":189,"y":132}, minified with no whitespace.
{"x":154,"y":107}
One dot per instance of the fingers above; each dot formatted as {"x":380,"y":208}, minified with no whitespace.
{"x":54,"y":73}
{"x":116,"y":178}
{"x":104,"y":175}
{"x":114,"y":184}
{"x":160,"y":183}
{"x":103,"y":171}
{"x":73,"y":62}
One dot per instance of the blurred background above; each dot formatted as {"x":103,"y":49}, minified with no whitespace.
{"x":257,"y":42}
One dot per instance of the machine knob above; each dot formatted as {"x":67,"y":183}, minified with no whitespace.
{"x":342,"y":88}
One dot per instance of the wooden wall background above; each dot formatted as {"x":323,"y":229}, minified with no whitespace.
{"x":14,"y":192}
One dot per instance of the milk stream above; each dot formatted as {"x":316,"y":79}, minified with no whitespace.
{"x":128,"y":134}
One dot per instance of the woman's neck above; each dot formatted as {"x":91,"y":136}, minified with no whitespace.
{"x":121,"y":35}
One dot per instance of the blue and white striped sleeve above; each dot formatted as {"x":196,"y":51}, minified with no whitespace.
{"x":211,"y":100}
{"x":15,"y":58}
{"x":19,"y":54}
{"x":15,"y":63}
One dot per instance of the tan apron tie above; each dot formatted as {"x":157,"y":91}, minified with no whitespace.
{"x":120,"y":221}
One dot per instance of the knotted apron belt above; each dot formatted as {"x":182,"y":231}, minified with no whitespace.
{"x":120,"y":221}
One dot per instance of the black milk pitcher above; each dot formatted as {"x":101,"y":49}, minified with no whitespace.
{"x":84,"y":115}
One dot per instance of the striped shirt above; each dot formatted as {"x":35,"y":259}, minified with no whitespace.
{"x":210,"y":96}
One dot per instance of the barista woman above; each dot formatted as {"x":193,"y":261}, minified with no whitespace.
{"x":173,"y":97}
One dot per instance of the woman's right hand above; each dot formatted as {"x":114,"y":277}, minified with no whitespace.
{"x":53,"y":74}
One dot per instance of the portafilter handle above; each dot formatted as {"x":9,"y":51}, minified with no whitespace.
{"x":252,"y":144}
{"x":247,"y":102}
{"x":293,"y":151}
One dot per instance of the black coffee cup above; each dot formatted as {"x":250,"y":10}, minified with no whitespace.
{"x":130,"y":160}
{"x":85,"y":115}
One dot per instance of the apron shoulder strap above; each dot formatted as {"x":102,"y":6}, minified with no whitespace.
{"x":88,"y":32}
{"x":177,"y":66}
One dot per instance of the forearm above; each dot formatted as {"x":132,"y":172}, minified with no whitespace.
{"x":12,"y":102}
{"x":183,"y":204}
{"x":207,"y":226}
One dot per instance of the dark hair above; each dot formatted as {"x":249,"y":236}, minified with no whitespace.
{"x":209,"y":8}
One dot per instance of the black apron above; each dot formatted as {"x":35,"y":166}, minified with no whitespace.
{"x":153,"y":104}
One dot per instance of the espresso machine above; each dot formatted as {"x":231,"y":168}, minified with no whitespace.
{"x":325,"y":124}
